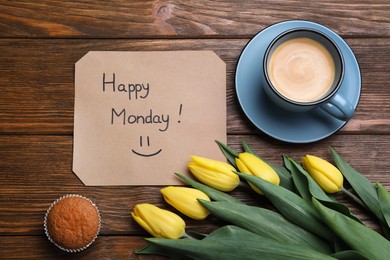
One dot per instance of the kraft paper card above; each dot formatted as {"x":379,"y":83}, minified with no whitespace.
{"x":139,"y":116}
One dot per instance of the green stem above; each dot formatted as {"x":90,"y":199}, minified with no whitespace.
{"x":354,"y":197}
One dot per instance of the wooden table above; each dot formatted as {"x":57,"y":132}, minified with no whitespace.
{"x":40,"y":43}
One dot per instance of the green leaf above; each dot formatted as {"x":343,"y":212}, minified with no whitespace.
{"x":154,"y":249}
{"x":249,"y":149}
{"x":287,"y":162}
{"x":311,"y":185}
{"x":315,"y":190}
{"x":195,"y":235}
{"x":384,"y":202}
{"x":266,"y":223}
{"x":286,"y":180}
{"x":228,"y":152}
{"x":301,"y":183}
{"x":341,"y":208}
{"x":349,"y":255}
{"x":291,"y":206}
{"x":385,"y":229}
{"x":357,"y":236}
{"x":211,"y":192}
{"x":361,"y":185}
{"x":231,"y":242}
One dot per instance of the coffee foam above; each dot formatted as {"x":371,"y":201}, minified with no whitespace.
{"x":302,"y":69}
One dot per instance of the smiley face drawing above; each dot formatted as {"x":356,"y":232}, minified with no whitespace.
{"x":141,"y":144}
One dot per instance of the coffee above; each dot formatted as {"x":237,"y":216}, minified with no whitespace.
{"x":302,"y":70}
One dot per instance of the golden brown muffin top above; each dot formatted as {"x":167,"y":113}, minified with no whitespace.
{"x":73,"y":222}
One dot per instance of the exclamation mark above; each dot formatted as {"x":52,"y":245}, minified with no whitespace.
{"x":180,"y":109}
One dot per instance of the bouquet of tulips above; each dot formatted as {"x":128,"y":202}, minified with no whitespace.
{"x":306,"y":223}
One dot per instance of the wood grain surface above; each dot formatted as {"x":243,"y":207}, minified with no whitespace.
{"x":185,"y":19}
{"x":39,"y":98}
{"x":40,"y":41}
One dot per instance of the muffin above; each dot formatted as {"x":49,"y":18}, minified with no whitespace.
{"x":72,"y":223}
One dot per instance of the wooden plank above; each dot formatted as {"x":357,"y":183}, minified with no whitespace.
{"x":40,"y":41}
{"x":37,"y":81}
{"x":36,"y":170}
{"x":105,"y":247}
{"x":151,"y":19}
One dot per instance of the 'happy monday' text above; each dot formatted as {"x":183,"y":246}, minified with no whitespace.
{"x":134,"y":91}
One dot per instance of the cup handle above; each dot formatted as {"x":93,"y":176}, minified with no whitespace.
{"x":338,"y":107}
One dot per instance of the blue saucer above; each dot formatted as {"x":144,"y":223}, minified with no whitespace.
{"x":276,"y":122}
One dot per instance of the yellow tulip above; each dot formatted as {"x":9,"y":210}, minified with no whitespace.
{"x":159,"y":222}
{"x":324,"y":173}
{"x":186,"y":201}
{"x":216,"y":174}
{"x":250,"y":164}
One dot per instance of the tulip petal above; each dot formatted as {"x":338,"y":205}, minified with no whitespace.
{"x":324,"y":173}
{"x":313,"y":188}
{"x":143,"y":224}
{"x":214,"y":194}
{"x":231,"y":155}
{"x":213,"y":164}
{"x":168,"y":225}
{"x":308,"y":188}
{"x":242,"y":167}
{"x":326,"y":183}
{"x":259,"y":168}
{"x":284,"y":175}
{"x":223,"y":181}
{"x":186,"y":201}
{"x":158,"y":222}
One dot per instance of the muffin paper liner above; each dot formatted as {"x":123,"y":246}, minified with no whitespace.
{"x":48,"y":235}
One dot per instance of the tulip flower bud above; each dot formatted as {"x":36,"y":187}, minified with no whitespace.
{"x":185,"y":200}
{"x":216,"y":174}
{"x":324,"y":173}
{"x":159,"y":222}
{"x":251,"y":164}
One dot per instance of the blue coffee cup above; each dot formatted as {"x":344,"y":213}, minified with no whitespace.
{"x":304,"y":69}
